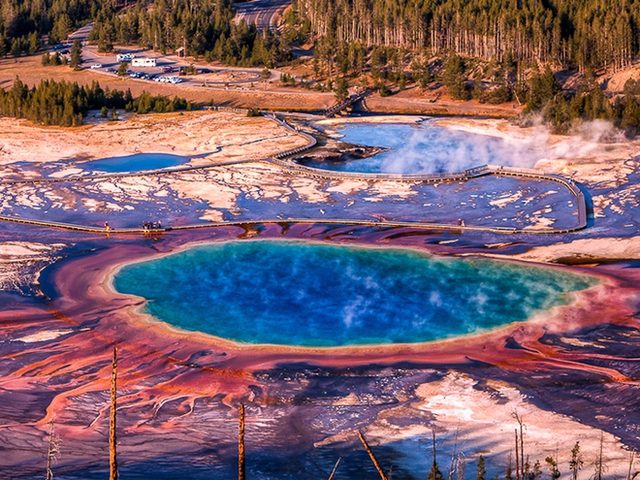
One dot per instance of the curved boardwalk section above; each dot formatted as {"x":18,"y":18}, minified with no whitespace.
{"x":291,"y":167}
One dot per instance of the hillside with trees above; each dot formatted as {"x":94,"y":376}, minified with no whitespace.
{"x":66,"y":104}
{"x":564,"y":33}
{"x":492,"y":51}
{"x":24,"y":22}
{"x":203,"y":29}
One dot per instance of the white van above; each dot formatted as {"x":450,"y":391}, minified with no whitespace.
{"x":143,"y":62}
{"x":123,"y":57}
{"x":174,"y":79}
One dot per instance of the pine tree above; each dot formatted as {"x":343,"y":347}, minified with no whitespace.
{"x":342,"y":89}
{"x":16,"y":48}
{"x":553,"y":468}
{"x":508,"y":475}
{"x":34,"y":42}
{"x":575,"y":464}
{"x":454,"y":78}
{"x":122,"y":69}
{"x":3,"y":44}
{"x":480,"y":469}
{"x":434,"y":473}
{"x":76,"y":55}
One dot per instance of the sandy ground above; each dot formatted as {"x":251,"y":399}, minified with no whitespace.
{"x":219,"y":136}
{"x":483,"y":419}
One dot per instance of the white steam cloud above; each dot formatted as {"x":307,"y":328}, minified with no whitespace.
{"x":438,"y":149}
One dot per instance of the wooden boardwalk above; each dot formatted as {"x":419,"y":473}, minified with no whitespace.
{"x":281,"y":221}
{"x":344,"y":104}
{"x":293,"y":168}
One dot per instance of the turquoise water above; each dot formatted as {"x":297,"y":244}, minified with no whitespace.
{"x":428,"y":148}
{"x":294,"y":293}
{"x":135,"y":163}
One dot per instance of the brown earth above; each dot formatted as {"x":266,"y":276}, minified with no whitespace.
{"x":274,"y":97}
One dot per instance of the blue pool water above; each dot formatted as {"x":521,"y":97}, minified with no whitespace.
{"x":294,"y":293}
{"x":135,"y":163}
{"x":427,"y":148}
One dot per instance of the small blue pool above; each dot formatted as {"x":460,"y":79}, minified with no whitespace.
{"x":136,"y":163}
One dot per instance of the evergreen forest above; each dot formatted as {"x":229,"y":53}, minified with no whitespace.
{"x":203,"y":29}
{"x":494,"y":51}
{"x":66,"y":103}
{"x":563,"y":33}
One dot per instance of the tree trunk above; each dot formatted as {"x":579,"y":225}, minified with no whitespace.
{"x":372,"y":456}
{"x":241,"y":473}
{"x":113,"y":464}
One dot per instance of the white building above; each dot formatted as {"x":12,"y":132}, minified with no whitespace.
{"x":143,"y":62}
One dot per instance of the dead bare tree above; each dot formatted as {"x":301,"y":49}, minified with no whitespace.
{"x":113,"y":463}
{"x":53,"y":451}
{"x":632,"y":457}
{"x":372,"y":456}
{"x":522,"y":456}
{"x":452,"y":467}
{"x":335,"y":467}
{"x":517,"y":458}
{"x":461,"y":466}
{"x":600,"y":466}
{"x":241,"y":469}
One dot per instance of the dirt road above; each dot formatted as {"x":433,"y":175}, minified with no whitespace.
{"x":262,"y":13}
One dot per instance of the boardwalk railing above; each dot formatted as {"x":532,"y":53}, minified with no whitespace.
{"x":291,"y":166}
{"x":311,"y":221}
{"x":343,"y":104}
{"x":295,"y":168}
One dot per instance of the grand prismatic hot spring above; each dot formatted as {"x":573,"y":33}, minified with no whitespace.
{"x":293,"y":293}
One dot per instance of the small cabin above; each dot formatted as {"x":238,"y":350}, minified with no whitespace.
{"x":143,"y":62}
{"x":180,"y":52}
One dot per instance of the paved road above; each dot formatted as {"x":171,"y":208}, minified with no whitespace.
{"x":246,"y":76}
{"x":264,"y":13}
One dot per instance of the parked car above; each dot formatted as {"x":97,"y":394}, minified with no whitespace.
{"x":96,"y":65}
{"x":167,"y":69}
{"x":206,"y":70}
{"x":111,"y":70}
{"x":64,"y":52}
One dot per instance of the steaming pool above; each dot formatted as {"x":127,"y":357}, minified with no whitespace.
{"x":428,"y":148}
{"x":306,"y":294}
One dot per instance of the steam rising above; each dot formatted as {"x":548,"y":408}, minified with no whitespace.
{"x":428,"y":148}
